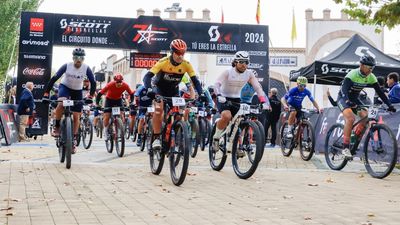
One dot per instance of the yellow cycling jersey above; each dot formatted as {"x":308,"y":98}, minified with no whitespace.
{"x":169,"y":76}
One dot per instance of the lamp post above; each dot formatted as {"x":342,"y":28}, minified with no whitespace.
{"x":103,"y":67}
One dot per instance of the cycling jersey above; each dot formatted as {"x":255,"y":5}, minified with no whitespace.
{"x":247,"y":92}
{"x":230,"y":83}
{"x":295,"y":97}
{"x":114,"y":92}
{"x":352,"y":85}
{"x":144,"y":100}
{"x":169,"y":76}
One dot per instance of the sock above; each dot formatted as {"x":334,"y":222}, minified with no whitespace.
{"x":218,"y":133}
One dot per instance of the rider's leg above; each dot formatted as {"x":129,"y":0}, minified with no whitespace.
{"x":349,"y":118}
{"x":291,"y":121}
{"x":157,"y":123}
{"x":132,"y":122}
{"x":106,"y":119}
{"x":226,"y":116}
{"x":360,"y":127}
{"x":186,"y":114}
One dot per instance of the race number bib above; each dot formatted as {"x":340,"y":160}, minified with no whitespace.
{"x":116,"y":111}
{"x":193,"y":109}
{"x":176,"y":101}
{"x":68,"y":103}
{"x":372,"y":112}
{"x":86,"y":107}
{"x":202,"y":113}
{"x":150,"y":109}
{"x":244,"y":109}
{"x":255,"y":111}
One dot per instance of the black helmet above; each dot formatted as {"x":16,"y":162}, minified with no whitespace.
{"x":78,"y":52}
{"x":367,"y":60}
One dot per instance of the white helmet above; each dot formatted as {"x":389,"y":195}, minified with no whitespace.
{"x":242,"y":55}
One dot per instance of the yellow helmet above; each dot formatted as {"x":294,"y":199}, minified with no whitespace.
{"x":302,"y":80}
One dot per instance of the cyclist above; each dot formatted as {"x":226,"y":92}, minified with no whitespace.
{"x":143,"y":101}
{"x":292,"y":102}
{"x":113,"y":91}
{"x":354,"y":82}
{"x":164,"y":78}
{"x":71,"y":87}
{"x":228,"y":88}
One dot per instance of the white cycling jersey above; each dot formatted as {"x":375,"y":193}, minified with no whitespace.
{"x":73,"y":77}
{"x":230,"y":83}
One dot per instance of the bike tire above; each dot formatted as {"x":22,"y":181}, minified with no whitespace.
{"x":195,"y":141}
{"x":88,"y":134}
{"x":156,"y":156}
{"x":335,"y":134}
{"x":307,"y":151}
{"x":208,"y":134}
{"x":119,"y":137}
{"x":68,"y":142}
{"x":376,"y":132}
{"x":202,"y":133}
{"x":286,"y":144}
{"x":135,"y":130}
{"x":251,"y":130}
{"x":262,"y":133}
{"x":59,"y":143}
{"x":78,"y":137}
{"x":110,"y":140}
{"x":179,"y":155}
{"x":126,"y":127}
{"x":217,"y":162}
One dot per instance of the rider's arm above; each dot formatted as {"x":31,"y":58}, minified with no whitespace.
{"x":92,"y":80}
{"x":344,"y":90}
{"x":332,"y":101}
{"x":192,"y":93}
{"x":381,"y":94}
{"x":147,"y":79}
{"x":131,"y":93}
{"x":221,"y":79}
{"x":312,"y":99}
{"x":197,"y":84}
{"x":53,"y":80}
{"x":257,"y":87}
{"x":209,"y":99}
{"x":102,"y":92}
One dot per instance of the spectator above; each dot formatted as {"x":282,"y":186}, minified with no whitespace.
{"x":331,"y":100}
{"x":25,"y":109}
{"x":12,"y":99}
{"x":394,"y":87}
{"x":381,"y":82}
{"x":273,"y":115}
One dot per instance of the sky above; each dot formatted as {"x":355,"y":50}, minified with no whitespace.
{"x":277,"y":14}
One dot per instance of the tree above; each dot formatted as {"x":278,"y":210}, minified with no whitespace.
{"x":374,"y":12}
{"x":10,"y":13}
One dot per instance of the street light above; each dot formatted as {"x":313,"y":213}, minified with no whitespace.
{"x":127,"y":54}
{"x":103,"y":67}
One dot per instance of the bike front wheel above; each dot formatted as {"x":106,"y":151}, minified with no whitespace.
{"x":87,"y":134}
{"x":334,"y":146}
{"x":119,"y":137}
{"x":179,"y":152}
{"x":307,"y":141}
{"x":380,"y":151}
{"x":286,"y":143}
{"x":217,"y":156}
{"x":68,"y":141}
{"x":156,"y":156}
{"x":247,"y":149}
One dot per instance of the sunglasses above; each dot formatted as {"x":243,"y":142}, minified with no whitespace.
{"x":78,"y":58}
{"x":302,"y":85}
{"x":243,"y":62}
{"x":179,"y":53}
{"x":369,"y":67}
{"x":118,"y":82}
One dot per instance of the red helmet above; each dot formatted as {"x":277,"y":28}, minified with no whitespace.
{"x":118,"y":77}
{"x":178,"y":45}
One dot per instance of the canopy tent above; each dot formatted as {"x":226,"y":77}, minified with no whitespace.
{"x":332,"y":68}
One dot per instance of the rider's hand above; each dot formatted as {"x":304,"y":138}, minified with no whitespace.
{"x":286,"y":108}
{"x":46,"y":95}
{"x":88,"y":101}
{"x":97,"y":107}
{"x":221,"y":99}
{"x":321,"y":110}
{"x":391,"y":109}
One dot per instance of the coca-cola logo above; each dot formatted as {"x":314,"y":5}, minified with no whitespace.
{"x":33,"y":72}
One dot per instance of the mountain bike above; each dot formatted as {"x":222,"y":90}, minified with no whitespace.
{"x":303,"y":136}
{"x":194,"y":131}
{"x":146,"y":130}
{"x":175,"y":141}
{"x":115,"y":132}
{"x":99,"y":125}
{"x":243,"y":139}
{"x":379,"y":148}
{"x":205,"y":127}
{"x":86,"y":128}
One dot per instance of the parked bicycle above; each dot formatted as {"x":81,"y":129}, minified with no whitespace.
{"x":379,"y":147}
{"x":243,"y":139}
{"x":303,"y":136}
{"x":175,"y":141}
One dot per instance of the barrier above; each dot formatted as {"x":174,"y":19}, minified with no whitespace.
{"x":8,"y":123}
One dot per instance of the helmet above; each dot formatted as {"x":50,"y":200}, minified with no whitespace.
{"x":118,"y":77}
{"x":178,"y":45}
{"x":367,"y":60}
{"x":242,"y":55}
{"x":78,"y":52}
{"x":302,"y":80}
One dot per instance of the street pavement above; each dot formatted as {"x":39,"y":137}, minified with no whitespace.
{"x":101,"y":188}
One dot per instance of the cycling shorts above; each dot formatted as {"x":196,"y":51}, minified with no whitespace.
{"x":65,"y":92}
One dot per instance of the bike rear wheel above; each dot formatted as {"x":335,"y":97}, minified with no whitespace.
{"x":206,"y":132}
{"x":286,"y":143}
{"x":262,"y":133}
{"x":194,"y":138}
{"x":109,"y":139}
{"x":218,"y":156}
{"x":179,"y":152}
{"x":380,"y":151}
{"x":307,"y":141}
{"x":247,"y":149}
{"x":87,"y":133}
{"x":334,"y":146}
{"x":135,"y":129}
{"x":156,"y":156}
{"x":119,"y":137}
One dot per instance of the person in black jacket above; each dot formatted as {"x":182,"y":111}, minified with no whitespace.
{"x":273,"y":115}
{"x":25,"y":109}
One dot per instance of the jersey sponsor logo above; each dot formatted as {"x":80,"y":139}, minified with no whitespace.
{"x":148,"y":33}
{"x":172,"y":78}
{"x":83,"y":26}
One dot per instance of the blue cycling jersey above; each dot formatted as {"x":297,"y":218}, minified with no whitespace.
{"x":295,"y":97}
{"x":246,"y":94}
{"x":144,"y":100}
